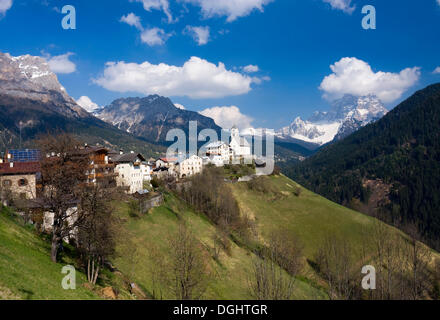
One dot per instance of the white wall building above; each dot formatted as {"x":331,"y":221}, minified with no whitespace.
{"x":219,"y":150}
{"x":239,"y":146}
{"x":129,"y":170}
{"x":190,"y":166}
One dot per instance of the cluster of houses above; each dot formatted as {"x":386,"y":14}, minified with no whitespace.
{"x":20,"y":169}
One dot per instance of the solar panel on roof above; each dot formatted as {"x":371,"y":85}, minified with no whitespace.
{"x":28,"y":155}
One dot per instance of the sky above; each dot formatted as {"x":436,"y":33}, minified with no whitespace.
{"x":258,"y":63}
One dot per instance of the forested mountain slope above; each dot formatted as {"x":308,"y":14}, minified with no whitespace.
{"x":389,"y":168}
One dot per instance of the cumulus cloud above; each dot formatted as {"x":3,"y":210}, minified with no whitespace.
{"x":436,"y":70}
{"x":162,"y":5}
{"x":5,"y":5}
{"x":227,"y":117}
{"x":197,"y":78}
{"x":251,"y":69}
{"x":179,"y":106}
{"x":354,"y":76}
{"x":232,"y":9}
{"x":87,"y":104}
{"x":199,"y":34}
{"x":155,"y":37}
{"x":61,"y":64}
{"x":344,"y":5}
{"x":132,"y":20}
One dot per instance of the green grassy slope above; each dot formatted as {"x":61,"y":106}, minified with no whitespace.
{"x":152,"y":230}
{"x":310,"y":216}
{"x":26,"y":271}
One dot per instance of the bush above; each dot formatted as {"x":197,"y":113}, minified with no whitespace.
{"x":155,"y":183}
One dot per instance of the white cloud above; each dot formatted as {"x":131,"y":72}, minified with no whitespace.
{"x":61,"y":64}
{"x":354,"y":76}
{"x":197,"y":78}
{"x":226,"y":117}
{"x":132,"y":20}
{"x":344,"y":5}
{"x":179,"y":106}
{"x":232,"y":9}
{"x":199,"y":34}
{"x":251,"y":69}
{"x":155,"y":37}
{"x":438,"y":1}
{"x":87,"y":104}
{"x":162,"y":5}
{"x":436,"y":70}
{"x":5,"y":5}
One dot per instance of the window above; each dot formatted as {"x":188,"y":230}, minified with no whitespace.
{"x":7,"y":183}
{"x":22,"y":182}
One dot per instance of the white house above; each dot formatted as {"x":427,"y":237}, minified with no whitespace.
{"x":218,"y":149}
{"x":147,"y":171}
{"x":190,"y":166}
{"x":129,"y":170}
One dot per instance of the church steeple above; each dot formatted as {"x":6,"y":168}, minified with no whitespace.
{"x":235,"y":133}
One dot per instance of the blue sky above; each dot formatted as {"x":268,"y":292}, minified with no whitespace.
{"x":205,"y":53}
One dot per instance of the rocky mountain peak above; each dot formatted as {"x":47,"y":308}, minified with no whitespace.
{"x":30,"y":77}
{"x":345,"y":116}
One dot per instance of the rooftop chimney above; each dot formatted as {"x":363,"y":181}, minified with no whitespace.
{"x":11,"y":164}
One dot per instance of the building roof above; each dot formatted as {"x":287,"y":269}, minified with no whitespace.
{"x":19,"y":168}
{"x":168,"y":159}
{"x":91,"y":150}
{"x":216,"y":144}
{"x":26,"y":155}
{"x":126,"y":157}
{"x":241,"y":141}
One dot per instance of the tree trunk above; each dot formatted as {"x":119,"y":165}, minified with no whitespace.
{"x":54,"y":247}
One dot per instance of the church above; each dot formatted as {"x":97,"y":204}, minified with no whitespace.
{"x":238,"y":148}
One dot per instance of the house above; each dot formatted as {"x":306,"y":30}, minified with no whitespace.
{"x":129,"y":170}
{"x":190,"y":166}
{"x":100,"y":170}
{"x":147,"y":171}
{"x":166,"y":162}
{"x":218,"y":149}
{"x":239,"y":146}
{"x":19,"y":180}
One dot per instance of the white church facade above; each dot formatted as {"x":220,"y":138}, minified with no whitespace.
{"x":238,"y":149}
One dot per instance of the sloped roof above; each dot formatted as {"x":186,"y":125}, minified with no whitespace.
{"x":215,"y":144}
{"x":19,"y":168}
{"x":241,"y":141}
{"x":126,"y":157}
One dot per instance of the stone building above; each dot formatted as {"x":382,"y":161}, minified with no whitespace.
{"x":19,"y":180}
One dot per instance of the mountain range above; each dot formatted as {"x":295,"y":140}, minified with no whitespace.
{"x":346,"y":115}
{"x":151,"y":117}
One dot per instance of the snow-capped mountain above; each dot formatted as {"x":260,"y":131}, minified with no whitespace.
{"x":30,"y":77}
{"x":151,"y":117}
{"x":346,"y":115}
{"x":33,"y":102}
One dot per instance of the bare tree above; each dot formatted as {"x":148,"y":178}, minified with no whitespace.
{"x":188,"y":270}
{"x":62,"y":180}
{"x":97,"y":230}
{"x":336,"y":264}
{"x":274,"y":271}
{"x":418,"y":259}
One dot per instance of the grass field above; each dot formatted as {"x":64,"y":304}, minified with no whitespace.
{"x":231,"y":272}
{"x":26,"y":271}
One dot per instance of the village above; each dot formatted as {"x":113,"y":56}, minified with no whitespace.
{"x":21,"y":172}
